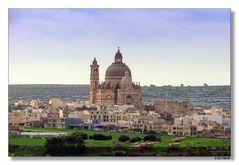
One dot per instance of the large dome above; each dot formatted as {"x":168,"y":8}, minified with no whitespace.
{"x":117,"y":70}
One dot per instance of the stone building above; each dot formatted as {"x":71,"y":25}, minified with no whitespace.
{"x":27,"y":117}
{"x":117,"y":88}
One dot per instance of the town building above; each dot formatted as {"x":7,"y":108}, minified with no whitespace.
{"x":214,"y":115}
{"x":27,"y":117}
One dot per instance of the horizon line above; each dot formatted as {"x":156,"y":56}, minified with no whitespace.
{"x":140,"y":85}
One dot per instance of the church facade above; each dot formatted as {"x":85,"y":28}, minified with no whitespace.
{"x":117,"y":88}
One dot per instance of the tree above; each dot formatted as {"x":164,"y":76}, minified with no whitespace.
{"x":53,"y":146}
{"x":150,"y":138}
{"x":71,"y":145}
{"x":100,"y":137}
{"x":123,"y":138}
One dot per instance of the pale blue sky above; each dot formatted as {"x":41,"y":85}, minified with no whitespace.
{"x":161,"y":46}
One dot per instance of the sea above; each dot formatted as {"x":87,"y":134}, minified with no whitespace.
{"x":200,"y":96}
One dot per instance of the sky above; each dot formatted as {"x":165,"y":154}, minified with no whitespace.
{"x":160,"y":46}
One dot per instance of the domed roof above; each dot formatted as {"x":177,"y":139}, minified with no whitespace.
{"x":117,"y":70}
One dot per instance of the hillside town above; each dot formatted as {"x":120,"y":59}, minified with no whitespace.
{"x":115,"y":105}
{"x":179,"y":119}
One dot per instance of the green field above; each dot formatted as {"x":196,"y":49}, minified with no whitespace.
{"x":204,"y":142}
{"x":55,"y":130}
{"x":27,"y":141}
{"x":165,"y":140}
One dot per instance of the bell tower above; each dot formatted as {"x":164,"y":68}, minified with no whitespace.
{"x":94,"y":80}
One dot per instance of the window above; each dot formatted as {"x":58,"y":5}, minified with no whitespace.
{"x":109,"y":97}
{"x":129,"y":100}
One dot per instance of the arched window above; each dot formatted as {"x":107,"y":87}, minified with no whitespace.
{"x":108,"y":97}
{"x":129,"y":100}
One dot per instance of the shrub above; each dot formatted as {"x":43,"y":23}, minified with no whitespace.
{"x":100,"y":137}
{"x":123,"y":138}
{"x":84,"y":135}
{"x":135,"y":139}
{"x":150,"y":138}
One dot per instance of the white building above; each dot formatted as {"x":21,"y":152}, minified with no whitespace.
{"x":123,"y":107}
{"x":34,"y":104}
{"x":213,"y":115}
{"x":57,"y":103}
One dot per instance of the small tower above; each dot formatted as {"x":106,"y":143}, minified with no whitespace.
{"x":126,"y":82}
{"x":118,"y":57}
{"x":94,"y":80}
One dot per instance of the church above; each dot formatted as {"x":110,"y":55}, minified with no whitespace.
{"x":118,"y":88}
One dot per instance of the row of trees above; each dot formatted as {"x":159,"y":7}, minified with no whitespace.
{"x":74,"y":145}
{"x":124,"y":138}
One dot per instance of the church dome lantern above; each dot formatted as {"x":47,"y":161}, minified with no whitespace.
{"x":118,"y":57}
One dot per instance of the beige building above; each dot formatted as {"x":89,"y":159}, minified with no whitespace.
{"x":57,"y":103}
{"x":16,"y":117}
{"x":35,"y":104}
{"x":117,"y":115}
{"x":147,"y":121}
{"x":176,"y":108}
{"x":27,"y":117}
{"x":117,"y":88}
{"x":84,"y":115}
{"x":186,"y":120}
{"x":206,"y":123}
{"x":112,"y":116}
{"x":180,"y":130}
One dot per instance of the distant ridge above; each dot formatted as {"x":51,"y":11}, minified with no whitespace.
{"x":141,"y":86}
{"x":200,"y":96}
